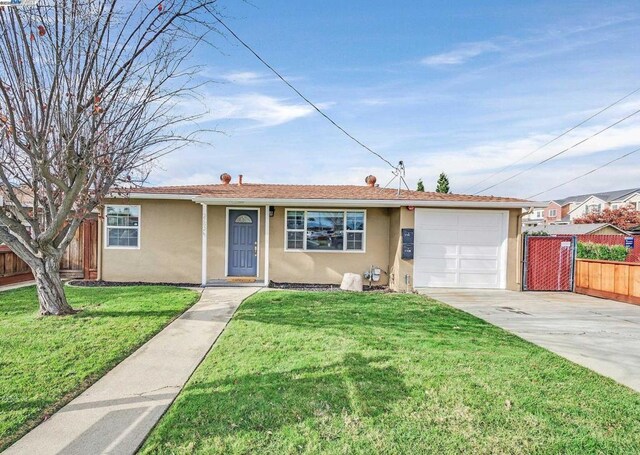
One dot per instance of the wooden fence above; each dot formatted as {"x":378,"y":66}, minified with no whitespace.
{"x":80,"y":260}
{"x":608,"y":279}
{"x":12,"y":268}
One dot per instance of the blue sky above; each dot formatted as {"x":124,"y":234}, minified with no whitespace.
{"x":460,"y":87}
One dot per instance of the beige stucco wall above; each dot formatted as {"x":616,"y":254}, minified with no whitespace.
{"x":401,"y":270}
{"x":170,"y":248}
{"x":607,"y":230}
{"x":328,"y":267}
{"x":514,"y":251}
{"x":170,"y":245}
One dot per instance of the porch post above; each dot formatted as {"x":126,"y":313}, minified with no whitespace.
{"x":204,"y":244}
{"x":267,"y":221}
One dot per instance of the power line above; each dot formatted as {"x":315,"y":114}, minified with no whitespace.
{"x":559,"y":153}
{"x":555,"y":139}
{"x":586,"y":173}
{"x":307,"y":100}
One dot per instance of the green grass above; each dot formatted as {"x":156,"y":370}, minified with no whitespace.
{"x":46,"y":361}
{"x":303,"y":372}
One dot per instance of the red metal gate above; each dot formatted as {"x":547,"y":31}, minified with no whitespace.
{"x":549,"y":263}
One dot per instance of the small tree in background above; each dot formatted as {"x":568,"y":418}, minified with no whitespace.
{"x":443,"y":184}
{"x":625,"y":217}
{"x":420,"y":186}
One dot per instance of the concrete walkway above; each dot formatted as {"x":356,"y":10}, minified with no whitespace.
{"x":599,"y":334}
{"x":115,"y":414}
{"x":10,"y":287}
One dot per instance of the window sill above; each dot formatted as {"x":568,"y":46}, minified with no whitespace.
{"x":326,"y":251}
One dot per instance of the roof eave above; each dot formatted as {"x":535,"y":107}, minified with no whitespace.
{"x":363,"y":203}
{"x":169,"y":196}
{"x":331,"y":202}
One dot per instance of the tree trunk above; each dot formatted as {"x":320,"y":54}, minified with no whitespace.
{"x":50,"y":288}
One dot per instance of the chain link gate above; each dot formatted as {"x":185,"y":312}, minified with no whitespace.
{"x":549,"y":263}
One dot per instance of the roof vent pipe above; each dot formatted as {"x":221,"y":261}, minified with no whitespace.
{"x":370,"y":180}
{"x":225,"y":178}
{"x":240,"y":179}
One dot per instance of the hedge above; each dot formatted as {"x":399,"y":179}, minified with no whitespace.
{"x":589,"y":250}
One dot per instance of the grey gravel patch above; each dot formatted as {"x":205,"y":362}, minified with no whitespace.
{"x":323,"y":287}
{"x":106,"y":284}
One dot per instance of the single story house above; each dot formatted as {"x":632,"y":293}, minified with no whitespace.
{"x":243,"y":232}
{"x":578,"y":229}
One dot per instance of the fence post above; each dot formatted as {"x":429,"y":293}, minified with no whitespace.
{"x":574,"y":254}
{"x":525,"y":262}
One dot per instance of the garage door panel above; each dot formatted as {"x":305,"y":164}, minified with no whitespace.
{"x":479,"y":220}
{"x":479,"y":265}
{"x":477,"y":280}
{"x":442,"y":279}
{"x":436,"y":251}
{"x":433,"y":265}
{"x":487,"y":237}
{"x":479,"y":251}
{"x":460,"y":248}
{"x":445,"y":220}
{"x":440,"y":236}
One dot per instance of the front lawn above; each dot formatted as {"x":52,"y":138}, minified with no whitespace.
{"x":46,"y":361}
{"x":382,"y":373}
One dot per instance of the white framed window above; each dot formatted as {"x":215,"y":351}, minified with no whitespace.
{"x":553,"y":213}
{"x":539,"y":214}
{"x":325,"y":230}
{"x":592,"y":208}
{"x":122,"y":226}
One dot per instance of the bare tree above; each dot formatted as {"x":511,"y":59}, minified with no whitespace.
{"x":88,"y":90}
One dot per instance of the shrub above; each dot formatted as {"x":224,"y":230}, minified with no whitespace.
{"x":589,"y":250}
{"x":537,"y":234}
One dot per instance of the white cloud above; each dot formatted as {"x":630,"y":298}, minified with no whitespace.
{"x":470,"y":165}
{"x":246,"y":78}
{"x":462,"y":53}
{"x":519,"y":48}
{"x":262,"y":109}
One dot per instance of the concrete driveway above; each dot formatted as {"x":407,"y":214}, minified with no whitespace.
{"x":599,"y":334}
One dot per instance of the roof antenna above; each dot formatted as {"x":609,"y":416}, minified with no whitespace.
{"x":399,"y":173}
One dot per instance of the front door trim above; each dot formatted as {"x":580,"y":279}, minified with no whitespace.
{"x":226,"y":239}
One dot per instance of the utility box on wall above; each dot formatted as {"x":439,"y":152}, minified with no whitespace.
{"x":407,"y":243}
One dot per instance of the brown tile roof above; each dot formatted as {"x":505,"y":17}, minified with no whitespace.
{"x":311,"y":192}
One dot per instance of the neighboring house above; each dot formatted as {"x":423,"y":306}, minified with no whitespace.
{"x":238,"y":232}
{"x":578,"y":229}
{"x":569,"y":208}
{"x":551,"y":213}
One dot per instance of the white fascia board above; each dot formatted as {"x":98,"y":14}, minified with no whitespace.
{"x":366,"y":203}
{"x":184,"y":197}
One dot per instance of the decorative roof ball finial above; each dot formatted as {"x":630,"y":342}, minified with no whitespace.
{"x":225,"y":178}
{"x":370,"y":180}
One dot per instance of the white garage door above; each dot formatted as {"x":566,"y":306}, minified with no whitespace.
{"x":460,"y":248}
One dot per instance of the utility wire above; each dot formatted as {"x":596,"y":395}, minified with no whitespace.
{"x":559,"y":153}
{"x":586,"y":173}
{"x":554,"y":139}
{"x":307,"y":100}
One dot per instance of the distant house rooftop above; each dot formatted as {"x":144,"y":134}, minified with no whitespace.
{"x":576,"y":229}
{"x":607,"y":196}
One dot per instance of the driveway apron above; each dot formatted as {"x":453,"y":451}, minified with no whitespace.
{"x":599,"y":334}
